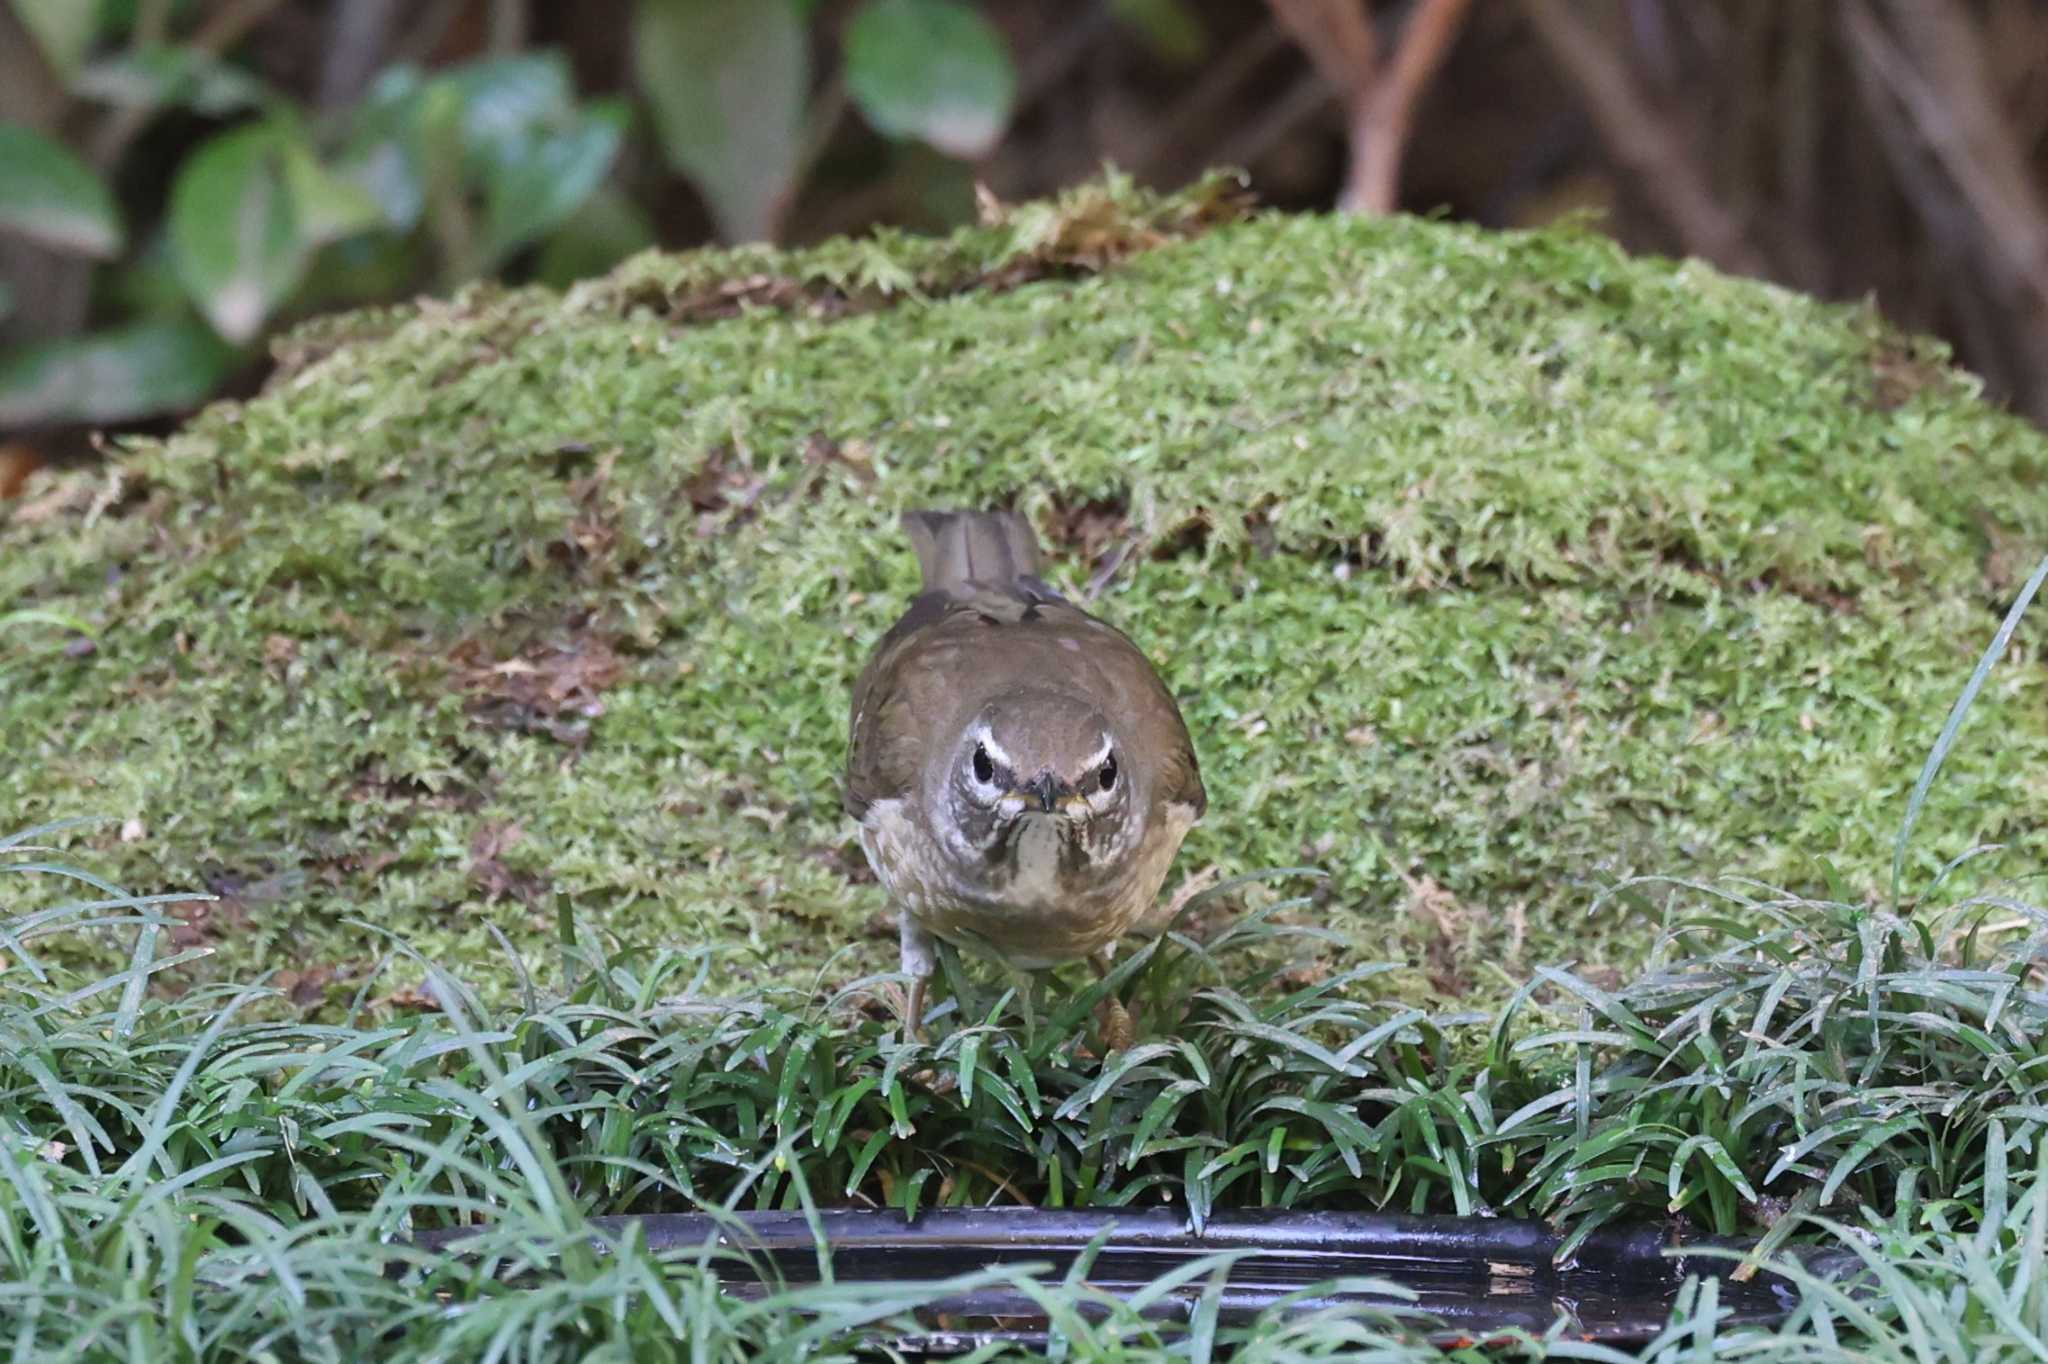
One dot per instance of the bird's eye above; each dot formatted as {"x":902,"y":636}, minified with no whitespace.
{"x":1108,"y":772}
{"x":984,"y":770}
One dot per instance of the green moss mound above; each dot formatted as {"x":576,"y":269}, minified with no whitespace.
{"x":1490,"y":568}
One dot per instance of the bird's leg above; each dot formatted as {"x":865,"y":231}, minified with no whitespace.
{"x":913,"y":1010}
{"x":919,"y":961}
{"x":1118,"y":1032}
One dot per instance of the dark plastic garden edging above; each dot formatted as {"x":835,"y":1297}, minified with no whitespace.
{"x":1472,"y":1276}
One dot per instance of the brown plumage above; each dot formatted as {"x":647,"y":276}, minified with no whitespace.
{"x":1022,"y":776}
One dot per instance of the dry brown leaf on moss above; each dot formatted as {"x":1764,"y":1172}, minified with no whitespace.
{"x":553,"y":688}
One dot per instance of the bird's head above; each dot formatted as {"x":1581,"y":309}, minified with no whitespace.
{"x":1039,"y":757}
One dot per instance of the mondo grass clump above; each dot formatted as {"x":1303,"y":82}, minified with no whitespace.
{"x":201,"y":1176}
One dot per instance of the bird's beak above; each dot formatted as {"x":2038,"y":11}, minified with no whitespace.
{"x":1044,"y":790}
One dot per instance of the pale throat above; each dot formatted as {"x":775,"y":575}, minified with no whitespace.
{"x":1037,"y":849}
{"x":1045,"y":860}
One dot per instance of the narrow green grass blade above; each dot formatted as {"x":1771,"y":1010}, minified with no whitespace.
{"x":1961,"y":710}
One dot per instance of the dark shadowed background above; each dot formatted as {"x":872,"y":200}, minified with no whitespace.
{"x":180,"y":179}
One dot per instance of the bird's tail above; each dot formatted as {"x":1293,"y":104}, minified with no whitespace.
{"x":956,"y":548}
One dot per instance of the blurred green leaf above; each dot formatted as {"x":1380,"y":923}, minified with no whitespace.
{"x":931,"y":69}
{"x":494,"y":154}
{"x":1169,"y":27}
{"x":326,"y":206}
{"x":726,"y":81}
{"x":141,"y":284}
{"x":50,"y":195}
{"x":127,"y":372}
{"x":505,"y":100}
{"x":608,"y":228}
{"x":63,"y":29}
{"x":380,"y":152}
{"x":171,"y":77}
{"x":535,"y":192}
{"x":235,"y":233}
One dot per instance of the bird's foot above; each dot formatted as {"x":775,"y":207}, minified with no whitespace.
{"x":1113,"y":1021}
{"x":936,"y":1081}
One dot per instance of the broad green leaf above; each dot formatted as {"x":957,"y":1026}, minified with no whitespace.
{"x":933,"y":70}
{"x":63,"y":30}
{"x":381,"y":152}
{"x":534,"y":192}
{"x":505,"y":100}
{"x":389,"y":173}
{"x":502,"y":95}
{"x":235,"y":234}
{"x":327,"y":206}
{"x":167,"y":77}
{"x":497,"y":152}
{"x":138,"y":370}
{"x":726,"y":81}
{"x":50,"y":195}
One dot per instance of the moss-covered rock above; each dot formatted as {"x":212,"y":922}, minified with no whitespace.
{"x":1489,"y":567}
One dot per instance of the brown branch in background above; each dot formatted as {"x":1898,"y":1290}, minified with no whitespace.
{"x":1156,"y":152}
{"x":1642,"y":138}
{"x":2016,"y":36}
{"x":1380,"y":121}
{"x":358,"y":34}
{"x":1278,"y":119}
{"x":1944,"y":87}
{"x":1054,"y":59}
{"x":1934,"y":77}
{"x":1338,"y":38}
{"x":1734,"y":121}
{"x":508,"y":26}
{"x":1945,"y":220}
{"x":1049,"y":71}
{"x":1379,"y":95}
{"x":1797,"y":113}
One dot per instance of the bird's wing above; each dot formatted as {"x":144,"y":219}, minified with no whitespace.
{"x":905,"y":688}
{"x":1128,"y":685}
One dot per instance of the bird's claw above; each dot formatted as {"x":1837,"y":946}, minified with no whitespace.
{"x":1114,"y":1020}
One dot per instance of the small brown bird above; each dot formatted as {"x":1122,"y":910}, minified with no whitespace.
{"x":1021,"y":775}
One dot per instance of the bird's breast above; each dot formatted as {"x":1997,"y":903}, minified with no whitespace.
{"x":1044,"y":862}
{"x":1047,"y":892}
